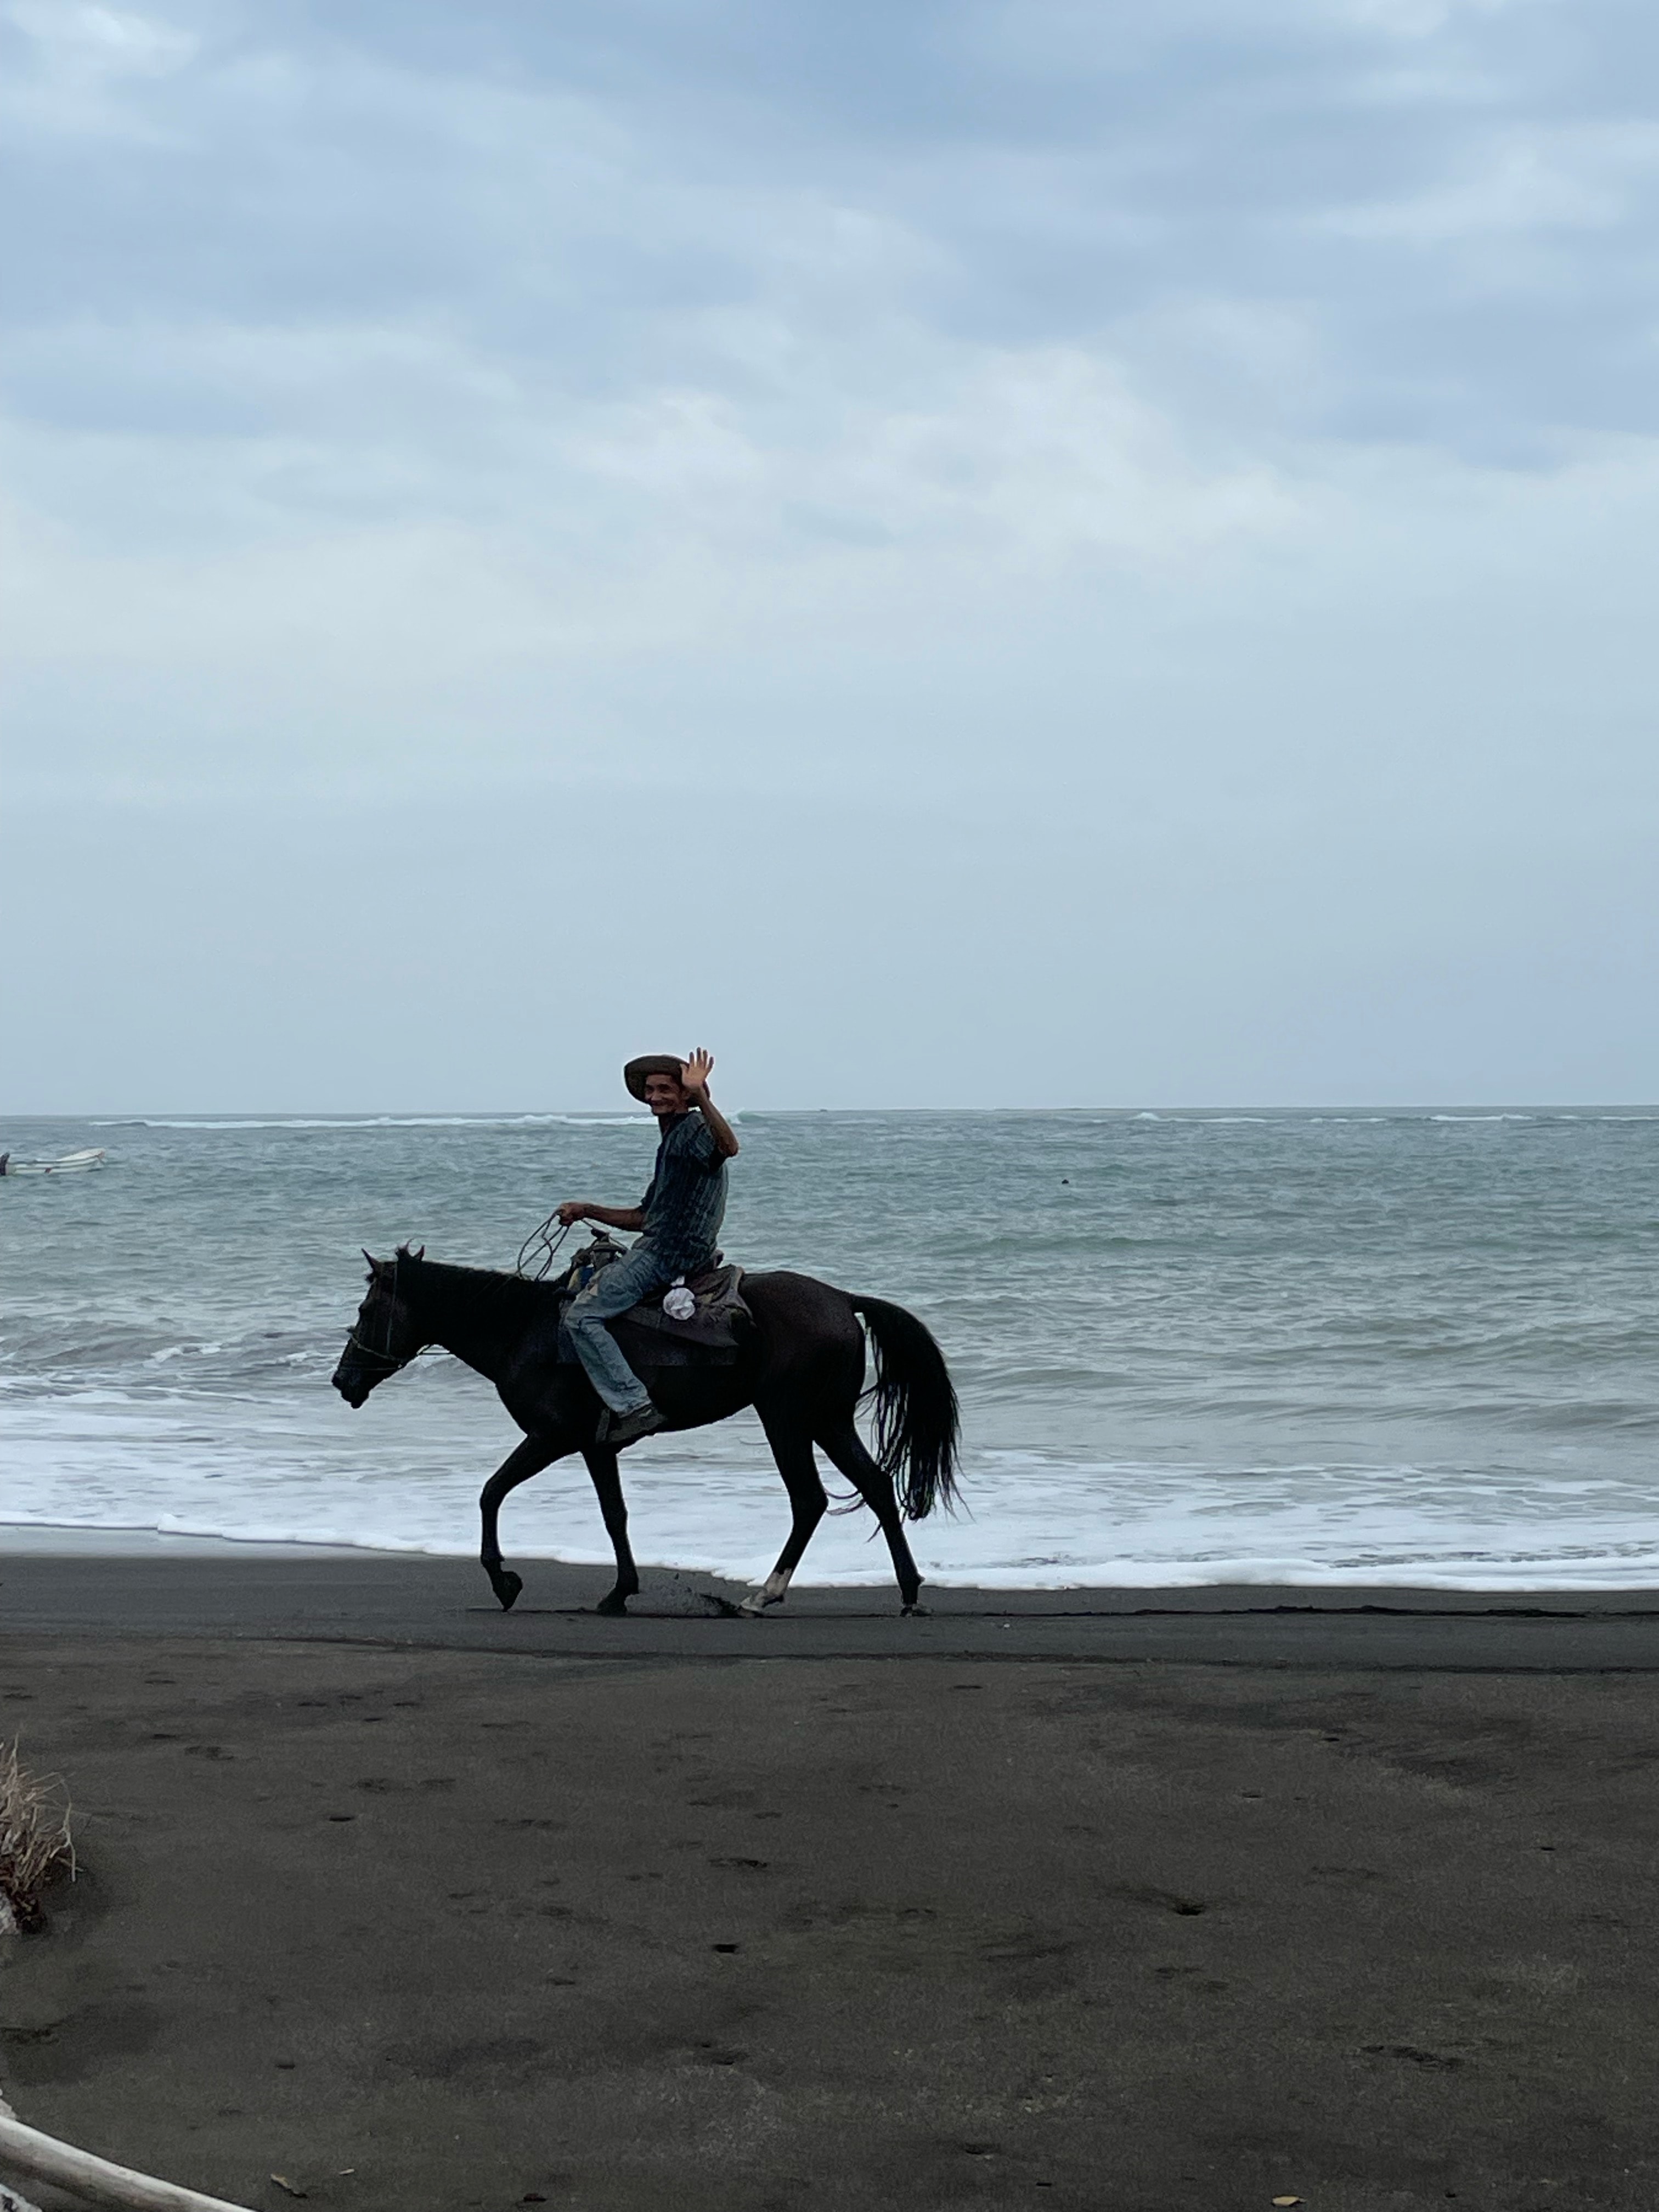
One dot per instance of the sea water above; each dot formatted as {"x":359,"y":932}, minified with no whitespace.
{"x":1318,"y":1348}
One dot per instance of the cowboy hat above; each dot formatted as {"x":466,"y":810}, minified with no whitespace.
{"x":652,"y":1063}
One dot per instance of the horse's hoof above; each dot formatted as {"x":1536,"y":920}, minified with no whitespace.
{"x":506,"y":1586}
{"x":614,"y":1607}
{"x":913,"y":1612}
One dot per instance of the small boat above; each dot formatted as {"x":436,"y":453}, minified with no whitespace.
{"x":69,"y":1163}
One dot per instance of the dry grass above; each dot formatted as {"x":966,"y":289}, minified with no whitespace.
{"x":35,"y":1846}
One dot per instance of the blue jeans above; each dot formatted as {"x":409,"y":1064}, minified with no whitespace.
{"x":612,"y":1291}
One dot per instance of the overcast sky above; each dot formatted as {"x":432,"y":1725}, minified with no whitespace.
{"x":1046,"y":553}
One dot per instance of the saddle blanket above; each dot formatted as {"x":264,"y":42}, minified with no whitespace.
{"x":648,"y":1337}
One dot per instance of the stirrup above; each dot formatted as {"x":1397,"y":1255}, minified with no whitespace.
{"x":619,"y":1429}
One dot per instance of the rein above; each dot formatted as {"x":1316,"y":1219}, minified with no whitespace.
{"x":550,"y":1246}
{"x":387,"y":1360}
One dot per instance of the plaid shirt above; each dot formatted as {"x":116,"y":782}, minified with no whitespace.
{"x":686,"y":1201}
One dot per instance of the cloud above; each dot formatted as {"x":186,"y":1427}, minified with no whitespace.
{"x":1183,"y":441}
{"x":1533,"y":185}
{"x":71,"y":63}
{"x":78,"y":42}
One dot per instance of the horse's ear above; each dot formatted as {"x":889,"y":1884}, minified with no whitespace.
{"x":373,"y":1264}
{"x":418,"y":1255}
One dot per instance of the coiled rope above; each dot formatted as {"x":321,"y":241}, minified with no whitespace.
{"x":548,"y":1245}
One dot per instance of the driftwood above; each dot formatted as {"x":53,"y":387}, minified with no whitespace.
{"x":36,"y":2157}
{"x":10,"y":2200}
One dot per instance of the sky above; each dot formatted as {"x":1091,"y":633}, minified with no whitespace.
{"x":1034,"y":554}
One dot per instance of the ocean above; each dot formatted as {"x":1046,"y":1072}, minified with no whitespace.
{"x":1327,"y":1349}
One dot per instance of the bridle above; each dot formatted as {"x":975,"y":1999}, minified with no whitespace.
{"x":382,"y":1354}
{"x":389,"y":1363}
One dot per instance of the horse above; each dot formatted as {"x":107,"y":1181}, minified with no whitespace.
{"x":801,"y":1367}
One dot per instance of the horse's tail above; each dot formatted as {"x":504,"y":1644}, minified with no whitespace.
{"x":916,"y":1416}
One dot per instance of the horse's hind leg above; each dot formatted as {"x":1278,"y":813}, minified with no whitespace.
{"x":791,"y":1448}
{"x":607,"y":1481}
{"x":845,"y":1449}
{"x":533,"y":1455}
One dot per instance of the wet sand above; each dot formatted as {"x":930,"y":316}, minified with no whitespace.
{"x":445,"y":1603}
{"x":1152,"y":1900}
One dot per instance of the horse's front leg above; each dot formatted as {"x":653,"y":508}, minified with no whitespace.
{"x":533,"y":1455}
{"x":791,"y":1448}
{"x":607,"y":1481}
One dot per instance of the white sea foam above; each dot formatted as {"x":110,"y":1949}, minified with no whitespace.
{"x":403,"y":1121}
{"x":714,"y":1503}
{"x":1620,"y":1563}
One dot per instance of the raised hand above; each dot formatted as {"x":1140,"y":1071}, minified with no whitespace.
{"x":695,"y":1072}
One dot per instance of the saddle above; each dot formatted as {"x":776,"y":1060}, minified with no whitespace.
{"x":711,"y":1336}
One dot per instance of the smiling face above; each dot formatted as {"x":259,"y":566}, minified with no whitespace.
{"x":664,"y":1095}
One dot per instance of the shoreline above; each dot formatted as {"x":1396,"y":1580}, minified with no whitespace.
{"x":1347,"y":1587}
{"x":399,"y":1599}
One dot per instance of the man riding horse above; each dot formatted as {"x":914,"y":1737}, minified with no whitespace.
{"x":679,"y":1216}
{"x":801,"y":1365}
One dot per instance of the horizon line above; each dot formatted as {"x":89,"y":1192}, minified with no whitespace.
{"x":530,"y":1114}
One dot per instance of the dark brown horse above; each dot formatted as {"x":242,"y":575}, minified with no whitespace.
{"x":802,"y":1368}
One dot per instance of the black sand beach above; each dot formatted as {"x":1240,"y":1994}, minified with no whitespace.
{"x":1135,"y":1899}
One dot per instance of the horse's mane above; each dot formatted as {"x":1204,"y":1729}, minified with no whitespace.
{"x":475,"y":1285}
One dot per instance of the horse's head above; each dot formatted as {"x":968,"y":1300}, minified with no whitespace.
{"x":385,"y":1337}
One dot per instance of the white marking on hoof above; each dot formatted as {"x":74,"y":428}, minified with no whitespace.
{"x":772,"y":1591}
